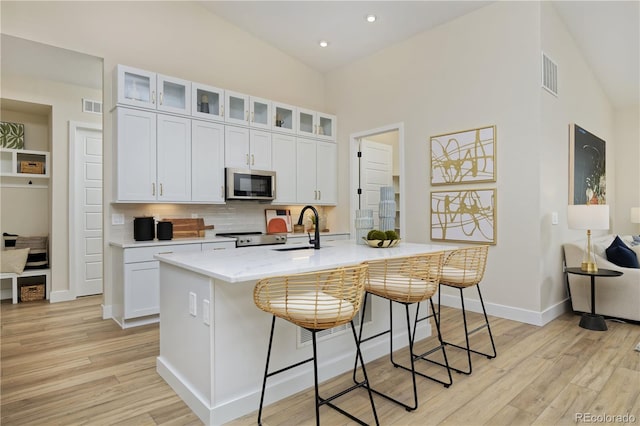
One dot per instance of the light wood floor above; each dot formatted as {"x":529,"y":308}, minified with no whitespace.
{"x":63,"y":365}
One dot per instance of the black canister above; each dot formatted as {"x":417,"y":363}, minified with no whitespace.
{"x":143,"y":229}
{"x":165,"y":230}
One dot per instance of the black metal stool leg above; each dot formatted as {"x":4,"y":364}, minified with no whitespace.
{"x":315,"y":378}
{"x":266,"y":370}
{"x":486,"y":319}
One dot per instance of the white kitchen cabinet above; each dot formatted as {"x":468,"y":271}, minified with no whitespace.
{"x":207,"y":102}
{"x":136,"y":282}
{"x":207,"y":162}
{"x":153,"y":154}
{"x":135,"y":147}
{"x":24,"y":168}
{"x":283,"y":160}
{"x":147,"y":89}
{"x":316,"y":172}
{"x":174,"y":158}
{"x":284,"y":118}
{"x":247,"y":148}
{"x":247,"y":110}
{"x":316,"y":124}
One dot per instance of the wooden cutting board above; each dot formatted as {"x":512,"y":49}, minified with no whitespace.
{"x":188,"y":228}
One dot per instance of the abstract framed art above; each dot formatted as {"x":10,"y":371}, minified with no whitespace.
{"x":587,"y":167}
{"x":464,"y":157}
{"x":467,"y":216}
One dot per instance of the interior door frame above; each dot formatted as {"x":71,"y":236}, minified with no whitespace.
{"x":74,"y":264}
{"x":354,"y":143}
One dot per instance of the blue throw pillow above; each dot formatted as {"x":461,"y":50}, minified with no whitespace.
{"x":621,"y":255}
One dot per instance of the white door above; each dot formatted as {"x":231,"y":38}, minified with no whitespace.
{"x":85,"y":220}
{"x":376,"y":168}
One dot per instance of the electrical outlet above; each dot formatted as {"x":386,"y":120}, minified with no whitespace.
{"x":193,"y":304}
{"x":205,"y":312}
{"x":554,"y":218}
{"x":117,"y":219}
{"x":194,"y":215}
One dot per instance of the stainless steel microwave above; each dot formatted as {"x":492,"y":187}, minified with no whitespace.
{"x":246,"y":184}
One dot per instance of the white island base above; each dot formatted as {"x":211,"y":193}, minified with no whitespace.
{"x":213,"y":339}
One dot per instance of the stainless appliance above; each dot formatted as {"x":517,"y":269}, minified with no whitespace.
{"x":247,"y":239}
{"x":246,"y":184}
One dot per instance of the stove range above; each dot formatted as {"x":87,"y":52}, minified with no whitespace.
{"x":247,"y":239}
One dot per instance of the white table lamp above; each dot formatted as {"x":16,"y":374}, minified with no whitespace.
{"x":589,"y":217}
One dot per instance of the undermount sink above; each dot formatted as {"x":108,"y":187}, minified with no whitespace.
{"x":294,"y":248}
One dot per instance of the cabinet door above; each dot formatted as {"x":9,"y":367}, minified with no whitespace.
{"x":141,"y":289}
{"x":135,"y":131}
{"x":306,"y":192}
{"x":174,"y":158}
{"x":207,"y":102}
{"x":260,"y":113}
{"x":283,"y":160}
{"x":260,"y":150}
{"x":306,"y":122}
{"x":327,"y":172}
{"x":135,"y":87}
{"x":284,"y":118}
{"x":326,"y":126}
{"x":236,"y":147}
{"x":174,"y":95}
{"x":207,"y":161}
{"x":237,"y":108}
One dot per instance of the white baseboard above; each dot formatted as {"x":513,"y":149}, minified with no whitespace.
{"x":61,"y":296}
{"x":509,"y":312}
{"x":107,"y":312}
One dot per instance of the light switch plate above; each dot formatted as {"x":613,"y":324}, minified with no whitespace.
{"x":554,"y":218}
{"x":193,"y":304}
{"x":117,"y":219}
{"x":205,"y":312}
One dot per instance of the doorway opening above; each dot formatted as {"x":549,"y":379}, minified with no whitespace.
{"x":377,"y":160}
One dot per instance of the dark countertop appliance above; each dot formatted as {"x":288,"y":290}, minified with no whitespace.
{"x":247,"y":239}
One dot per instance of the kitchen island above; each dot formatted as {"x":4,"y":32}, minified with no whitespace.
{"x":213,"y":339}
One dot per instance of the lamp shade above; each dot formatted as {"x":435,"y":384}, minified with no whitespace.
{"x":635,"y":214}
{"x":588,"y":216}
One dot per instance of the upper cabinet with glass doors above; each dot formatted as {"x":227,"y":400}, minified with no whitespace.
{"x":284,"y":118}
{"x":247,"y":110}
{"x":147,"y":89}
{"x":207,"y":102}
{"x":316,"y":124}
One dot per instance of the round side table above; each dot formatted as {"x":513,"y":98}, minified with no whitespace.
{"x":593,"y":321}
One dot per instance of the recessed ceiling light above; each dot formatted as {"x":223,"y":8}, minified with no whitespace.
{"x":371,"y":18}
{"x":323,"y":43}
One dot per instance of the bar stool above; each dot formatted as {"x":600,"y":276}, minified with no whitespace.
{"x":464,"y":268}
{"x":406,"y":280}
{"x":315,"y":301}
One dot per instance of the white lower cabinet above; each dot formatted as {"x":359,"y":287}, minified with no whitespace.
{"x":136,"y":280}
{"x":316,"y":172}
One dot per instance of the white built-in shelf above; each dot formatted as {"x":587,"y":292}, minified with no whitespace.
{"x":24,"y":168}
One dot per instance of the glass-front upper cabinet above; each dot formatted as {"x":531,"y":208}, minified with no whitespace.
{"x":146,"y":89}
{"x":260,"y":113}
{"x":284,"y":118}
{"x":207,"y":102}
{"x":316,"y":124}
{"x":135,"y":87}
{"x":237,"y":108}
{"x":174,"y":94}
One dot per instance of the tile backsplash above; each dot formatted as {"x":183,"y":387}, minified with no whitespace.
{"x":233,"y":216}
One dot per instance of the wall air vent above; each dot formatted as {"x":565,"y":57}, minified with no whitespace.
{"x":549,"y":75}
{"x":89,"y":105}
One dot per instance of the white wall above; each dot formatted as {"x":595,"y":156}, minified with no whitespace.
{"x":478,"y":70}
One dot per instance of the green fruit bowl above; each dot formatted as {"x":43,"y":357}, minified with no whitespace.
{"x":382,"y":243}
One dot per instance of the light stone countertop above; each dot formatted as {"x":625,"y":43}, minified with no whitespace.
{"x":252,"y":263}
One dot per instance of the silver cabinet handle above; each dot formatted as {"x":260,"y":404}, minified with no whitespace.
{"x":221,"y":110}
{"x":153,"y":189}
{"x":253,"y":116}
{"x":253,"y":160}
{"x":153,"y":96}
{"x":161,"y":192}
{"x":246,"y":115}
{"x":161,"y":97}
{"x":319,"y":195}
{"x":247,"y":159}
{"x":222,"y":191}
